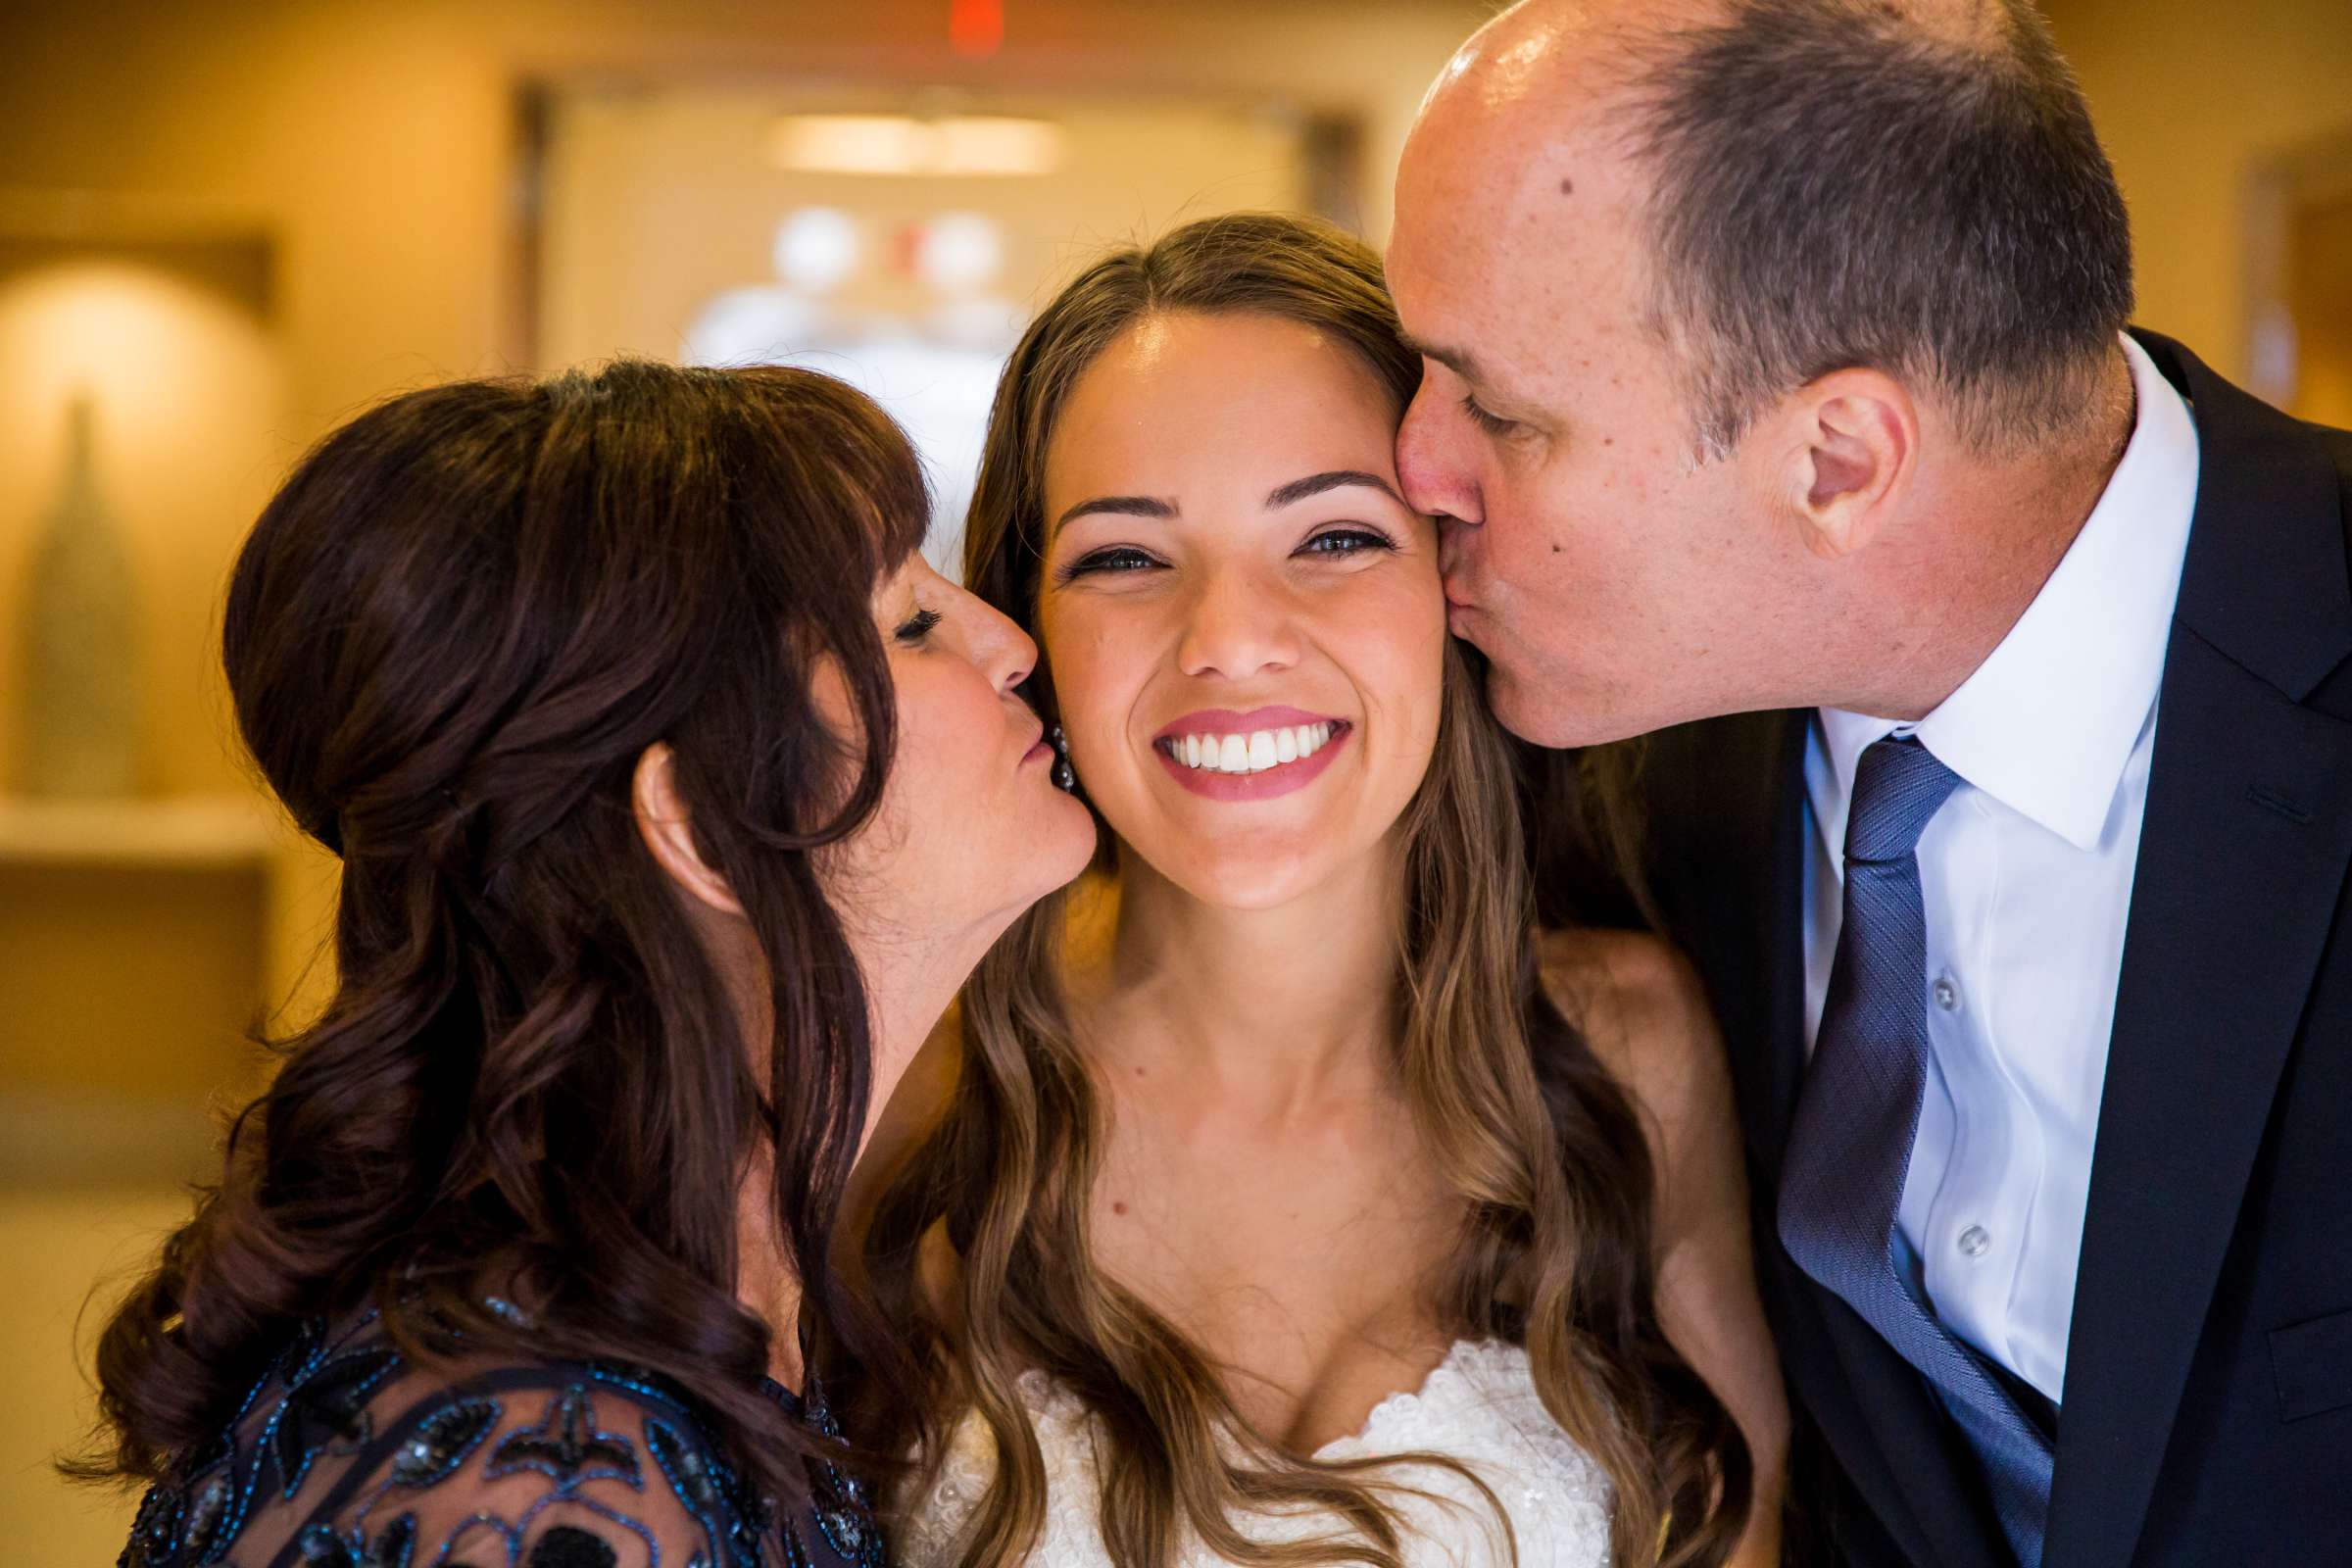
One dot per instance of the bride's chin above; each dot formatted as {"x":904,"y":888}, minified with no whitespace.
{"x":1247,"y":882}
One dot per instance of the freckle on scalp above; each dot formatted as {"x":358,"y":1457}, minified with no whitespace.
{"x":1567,"y":187}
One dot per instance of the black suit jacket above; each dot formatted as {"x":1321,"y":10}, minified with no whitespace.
{"x":2208,"y":1409}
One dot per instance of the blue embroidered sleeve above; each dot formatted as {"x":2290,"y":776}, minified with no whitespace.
{"x":345,"y":1457}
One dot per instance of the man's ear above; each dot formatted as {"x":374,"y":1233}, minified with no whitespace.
{"x":667,"y":828}
{"x":1846,"y":447}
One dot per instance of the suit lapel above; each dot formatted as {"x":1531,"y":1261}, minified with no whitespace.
{"x":2242,"y":861}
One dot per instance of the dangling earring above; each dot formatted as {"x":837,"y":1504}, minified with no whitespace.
{"x":1066,"y":777}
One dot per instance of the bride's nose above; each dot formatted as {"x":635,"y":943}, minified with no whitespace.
{"x":1237,"y":625}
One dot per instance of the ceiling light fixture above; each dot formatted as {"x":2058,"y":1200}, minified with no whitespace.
{"x":901,"y":144}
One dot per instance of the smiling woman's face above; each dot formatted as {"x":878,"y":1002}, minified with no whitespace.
{"x":1244,"y":622}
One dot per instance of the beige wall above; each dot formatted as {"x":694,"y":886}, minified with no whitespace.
{"x":373,"y":147}
{"x":375,"y":140}
{"x":2191,"y":98}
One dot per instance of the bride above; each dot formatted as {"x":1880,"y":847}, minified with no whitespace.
{"x":1272,"y":1203}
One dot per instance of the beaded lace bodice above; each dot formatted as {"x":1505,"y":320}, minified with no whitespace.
{"x":346,"y":1455}
{"x":1479,"y":1407}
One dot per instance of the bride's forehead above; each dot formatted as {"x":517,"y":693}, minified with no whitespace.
{"x":1222,"y":357}
{"x":1249,"y":421}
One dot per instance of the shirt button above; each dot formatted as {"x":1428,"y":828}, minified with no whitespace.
{"x":1974,"y":1241}
{"x":1946,"y":992}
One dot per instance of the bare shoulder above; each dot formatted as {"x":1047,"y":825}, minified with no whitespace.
{"x":1644,"y":1011}
{"x":1642,"y":1007}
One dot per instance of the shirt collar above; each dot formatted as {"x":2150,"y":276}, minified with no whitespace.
{"x":2048,"y":721}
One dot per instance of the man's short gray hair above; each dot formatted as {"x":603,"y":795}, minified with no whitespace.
{"x":1836,"y":186}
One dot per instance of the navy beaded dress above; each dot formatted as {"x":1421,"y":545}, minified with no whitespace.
{"x":345,"y":1455}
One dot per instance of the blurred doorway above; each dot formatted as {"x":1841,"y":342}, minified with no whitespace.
{"x":900,"y":243}
{"x":2300,"y":257}
{"x":2319,"y":301}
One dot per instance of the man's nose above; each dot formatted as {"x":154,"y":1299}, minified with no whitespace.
{"x":1436,"y":481}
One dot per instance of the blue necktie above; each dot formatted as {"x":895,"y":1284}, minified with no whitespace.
{"x":1851,"y":1144}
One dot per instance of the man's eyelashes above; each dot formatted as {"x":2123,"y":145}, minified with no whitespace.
{"x":1492,"y":424}
{"x":1114,"y":559}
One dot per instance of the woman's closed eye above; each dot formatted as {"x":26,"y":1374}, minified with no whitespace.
{"x":919,"y":626}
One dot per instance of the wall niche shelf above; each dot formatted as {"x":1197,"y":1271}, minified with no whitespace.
{"x":161,"y":833}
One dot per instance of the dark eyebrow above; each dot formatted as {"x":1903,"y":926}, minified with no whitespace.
{"x":1121,"y":507}
{"x":1461,"y":361}
{"x":1314,"y":484}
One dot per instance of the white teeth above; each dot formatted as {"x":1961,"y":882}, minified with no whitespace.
{"x":1253,"y":753}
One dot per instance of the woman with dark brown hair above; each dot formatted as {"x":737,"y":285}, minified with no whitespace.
{"x":674,"y":797}
{"x":1284,"y":1209}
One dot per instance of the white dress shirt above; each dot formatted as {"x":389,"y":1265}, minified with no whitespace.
{"x":2027,"y":879}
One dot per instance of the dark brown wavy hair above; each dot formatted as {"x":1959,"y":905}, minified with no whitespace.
{"x":449,"y":639}
{"x":1537,"y":1139}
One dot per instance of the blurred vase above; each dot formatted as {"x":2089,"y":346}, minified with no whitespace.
{"x":82,"y":686}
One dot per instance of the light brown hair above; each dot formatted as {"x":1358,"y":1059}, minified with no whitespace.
{"x":1538,"y":1141}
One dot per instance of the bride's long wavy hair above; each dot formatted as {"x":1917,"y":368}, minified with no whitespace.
{"x":1538,"y":1141}
{"x":449,"y":638}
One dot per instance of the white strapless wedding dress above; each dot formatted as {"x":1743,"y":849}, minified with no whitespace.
{"x":1478,"y":1408}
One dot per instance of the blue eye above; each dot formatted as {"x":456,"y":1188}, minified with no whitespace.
{"x":918,"y":625}
{"x":1351,"y":541}
{"x":1492,"y":424}
{"x":1109,"y":559}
